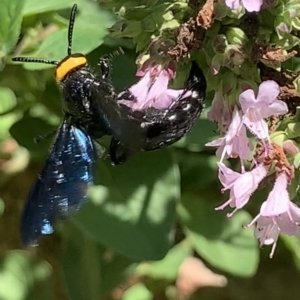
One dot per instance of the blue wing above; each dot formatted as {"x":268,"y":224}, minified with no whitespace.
{"x":62,"y":185}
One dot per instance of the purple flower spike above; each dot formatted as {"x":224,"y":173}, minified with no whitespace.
{"x":277,"y":215}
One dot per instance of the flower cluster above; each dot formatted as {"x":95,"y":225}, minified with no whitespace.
{"x":278,"y":214}
{"x":247,"y":46}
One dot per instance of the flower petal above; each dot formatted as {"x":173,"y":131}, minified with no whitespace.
{"x":161,"y":102}
{"x":278,"y":107}
{"x":278,"y":201}
{"x":176,"y":94}
{"x":247,"y":100}
{"x":159,"y":86}
{"x":256,"y":124}
{"x":233,"y":4}
{"x":268,"y":91}
{"x":140,"y":89}
{"x":252,"y":5}
{"x":226,"y":175}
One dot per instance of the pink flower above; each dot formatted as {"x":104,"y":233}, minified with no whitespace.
{"x":250,"y":5}
{"x":241,"y":185}
{"x":219,"y":112}
{"x":277,"y":215}
{"x":235,"y":143}
{"x":263,"y":106}
{"x":152,"y":90}
{"x":267,"y":233}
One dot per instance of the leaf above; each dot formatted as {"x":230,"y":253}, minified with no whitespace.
{"x":10,"y":24}
{"x":292,"y":64}
{"x":223,"y":243}
{"x":293,"y":130}
{"x":96,"y":271}
{"x":54,"y":47}
{"x":133,"y":211}
{"x":24,"y":276}
{"x":201,"y":133}
{"x":192,"y":165}
{"x":7,"y":104}
{"x":91,"y":27}
{"x":2,"y":206}
{"x":137,"y":291}
{"x":167,"y":269}
{"x":8,"y":100}
{"x":26,"y":130}
{"x":293,"y":244}
{"x":124,"y":69}
{"x":33,"y":7}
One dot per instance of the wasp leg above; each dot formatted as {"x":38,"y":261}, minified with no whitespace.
{"x":40,"y":138}
{"x":118,"y":152}
{"x":100,"y":150}
{"x":105,"y":66}
{"x":126,"y":95}
{"x":105,"y":62}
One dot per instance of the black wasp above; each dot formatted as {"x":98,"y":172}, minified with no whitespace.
{"x":91,"y":110}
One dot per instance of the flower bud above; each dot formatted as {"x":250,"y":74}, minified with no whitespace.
{"x":233,"y":56}
{"x":236,"y":36}
{"x":219,"y":43}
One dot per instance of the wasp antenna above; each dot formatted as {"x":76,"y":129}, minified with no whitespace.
{"x":35,"y":60}
{"x":71,"y":26}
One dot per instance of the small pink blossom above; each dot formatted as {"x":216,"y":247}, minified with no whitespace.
{"x":250,"y":5}
{"x":267,"y":233}
{"x":219,"y":112}
{"x":241,"y":185}
{"x":277,"y":215}
{"x":152,"y":90}
{"x":235,"y":143}
{"x":263,"y":106}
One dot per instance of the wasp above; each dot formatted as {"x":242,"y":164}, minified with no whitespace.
{"x":91,"y":110}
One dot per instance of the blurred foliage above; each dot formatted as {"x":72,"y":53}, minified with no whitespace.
{"x":144,"y":218}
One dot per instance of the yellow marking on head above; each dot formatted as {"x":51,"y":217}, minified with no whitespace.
{"x":67,"y":65}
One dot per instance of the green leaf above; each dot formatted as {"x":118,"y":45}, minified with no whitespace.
{"x":90,"y":270}
{"x":201,"y":133}
{"x":2,"y":206}
{"x":33,"y":7}
{"x":89,"y":32}
{"x":293,"y":244}
{"x":138,"y":291}
{"x":133,"y":211}
{"x":28,"y":129}
{"x":8,"y":100}
{"x":167,"y":269}
{"x":85,"y":40}
{"x":292,"y":64}
{"x":7,"y":105}
{"x":224,"y":243}
{"x":10,"y":24}
{"x":293,"y":130}
{"x":124,"y":69}
{"x":24,"y":276}
{"x":192,"y":166}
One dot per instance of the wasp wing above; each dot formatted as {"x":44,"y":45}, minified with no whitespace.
{"x":61,"y":187}
{"x":165,"y":127}
{"x":156,"y":128}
